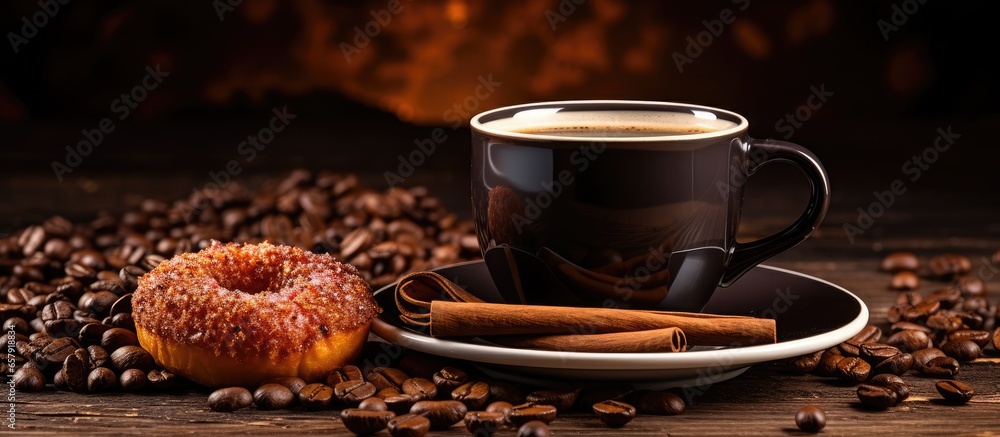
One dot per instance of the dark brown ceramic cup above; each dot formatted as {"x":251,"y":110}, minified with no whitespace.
{"x":627,"y":204}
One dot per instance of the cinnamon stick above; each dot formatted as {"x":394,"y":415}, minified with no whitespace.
{"x":487,"y":319}
{"x":655,"y":340}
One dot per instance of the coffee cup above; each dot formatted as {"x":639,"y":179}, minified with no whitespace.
{"x":628,"y":204}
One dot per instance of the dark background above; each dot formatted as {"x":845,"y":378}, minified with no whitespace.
{"x":225,"y":76}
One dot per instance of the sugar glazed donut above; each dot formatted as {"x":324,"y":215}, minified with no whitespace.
{"x":235,"y":315}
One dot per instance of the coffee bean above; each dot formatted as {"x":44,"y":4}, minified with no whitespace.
{"x":400,"y":403}
{"x":962,"y":350}
{"x":442,"y":414}
{"x":904,"y":280}
{"x":315,"y":396}
{"x":893,"y":382}
{"x":901,"y":260}
{"x":130,"y":277}
{"x":28,"y":379}
{"x":942,"y":367}
{"x":294,"y":384}
{"x":971,"y":286}
{"x":867,"y":335}
{"x":132,"y":357}
{"x":996,"y":333}
{"x":93,"y":333}
{"x":387,"y":392}
{"x":482,"y":423}
{"x":877,"y":397}
{"x":561,"y":399}
{"x":75,"y":371}
{"x":272,"y":396}
{"x":521,"y":414}
{"x":661,"y":403}
{"x":133,"y":380}
{"x":922,"y":311}
{"x":419,"y":388}
{"x":500,"y":407}
{"x":353,"y":392}
{"x":955,"y":391}
{"x":614,"y":413}
{"x":921,"y":357}
{"x":828,"y":362}
{"x":230,"y":399}
{"x":97,"y":357}
{"x":56,"y":351}
{"x":116,"y":338}
{"x":101,"y":380}
{"x":896,"y":365}
{"x":374,"y":404}
{"x":909,"y":298}
{"x":122,"y":305}
{"x":875,"y":353}
{"x":409,"y":425}
{"x":474,"y":394}
{"x":853,"y":370}
{"x":942,"y":323}
{"x":358,"y":240}
{"x":947,"y":265}
{"x":124,"y":321}
{"x":909,"y":326}
{"x":534,"y":428}
{"x":910,"y":341}
{"x":162,"y":379}
{"x":345,"y":373}
{"x":385,"y":377}
{"x":806,"y":363}
{"x":810,"y":418}
{"x":449,"y":378}
{"x":18,"y":325}
{"x":979,"y":337}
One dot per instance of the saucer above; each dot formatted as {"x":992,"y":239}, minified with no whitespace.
{"x":811,"y":314}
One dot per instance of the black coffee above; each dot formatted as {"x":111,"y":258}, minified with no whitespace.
{"x":601,"y":131}
{"x":611,"y":124}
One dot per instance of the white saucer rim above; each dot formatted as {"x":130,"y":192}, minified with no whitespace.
{"x":729,"y":357}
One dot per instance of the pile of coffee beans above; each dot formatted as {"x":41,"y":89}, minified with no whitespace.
{"x":928,"y":335}
{"x":65,"y":288}
{"x":424,"y":393}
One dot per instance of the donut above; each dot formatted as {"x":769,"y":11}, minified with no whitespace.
{"x":236,"y":315}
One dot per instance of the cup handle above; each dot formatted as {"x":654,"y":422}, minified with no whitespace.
{"x":760,"y":152}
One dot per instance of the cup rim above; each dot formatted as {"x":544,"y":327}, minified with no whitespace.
{"x":742,"y":124}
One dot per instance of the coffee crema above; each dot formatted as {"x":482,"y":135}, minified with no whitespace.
{"x":611,"y":124}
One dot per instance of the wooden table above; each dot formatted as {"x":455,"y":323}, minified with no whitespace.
{"x":762,"y":401}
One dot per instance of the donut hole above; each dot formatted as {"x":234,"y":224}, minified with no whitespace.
{"x":250,"y":277}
